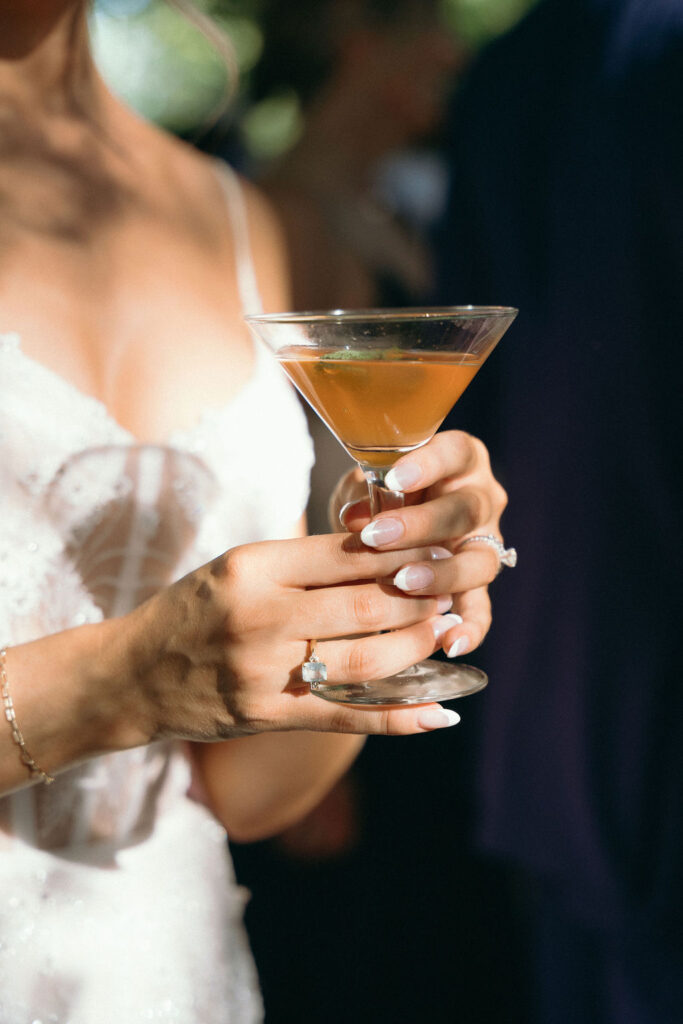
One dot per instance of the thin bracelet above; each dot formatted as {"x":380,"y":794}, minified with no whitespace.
{"x":35,"y":770}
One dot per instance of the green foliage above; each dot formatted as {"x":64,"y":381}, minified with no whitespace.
{"x":271,"y":126}
{"x":479,"y":21}
{"x":160,"y":62}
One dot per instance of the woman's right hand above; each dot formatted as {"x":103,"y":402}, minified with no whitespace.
{"x":219,"y":653}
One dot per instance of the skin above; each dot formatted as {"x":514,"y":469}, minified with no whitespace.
{"x":98,"y":210}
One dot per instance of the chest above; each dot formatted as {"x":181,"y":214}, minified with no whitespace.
{"x":128,"y":517}
{"x":142,"y":314}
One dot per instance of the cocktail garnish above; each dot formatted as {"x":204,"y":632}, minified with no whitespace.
{"x":363,"y":353}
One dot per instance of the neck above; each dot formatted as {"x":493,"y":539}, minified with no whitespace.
{"x":45,"y":61}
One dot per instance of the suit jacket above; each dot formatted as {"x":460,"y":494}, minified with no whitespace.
{"x":567,"y":201}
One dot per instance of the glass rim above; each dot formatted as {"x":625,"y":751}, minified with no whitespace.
{"x":379,"y":315}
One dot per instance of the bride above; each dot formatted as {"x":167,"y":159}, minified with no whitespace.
{"x":157,"y":594}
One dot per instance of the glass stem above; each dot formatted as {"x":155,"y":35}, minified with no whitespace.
{"x":382,"y":499}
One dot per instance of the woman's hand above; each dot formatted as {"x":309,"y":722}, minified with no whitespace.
{"x":219,"y":653}
{"x":451,"y":494}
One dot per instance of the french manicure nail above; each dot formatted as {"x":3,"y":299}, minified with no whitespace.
{"x":459,"y":647}
{"x":343,"y":510}
{"x":446,"y":622}
{"x":437,"y":718}
{"x":444,"y":603}
{"x":400,"y":477}
{"x":414,"y":577}
{"x":382,"y":531}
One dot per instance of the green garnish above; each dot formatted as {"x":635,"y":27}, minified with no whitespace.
{"x":363,"y":353}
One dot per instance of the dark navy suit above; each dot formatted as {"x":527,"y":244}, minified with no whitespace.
{"x":567,"y":201}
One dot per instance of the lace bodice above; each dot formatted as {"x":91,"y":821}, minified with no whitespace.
{"x":117,"y":896}
{"x":92,"y":524}
{"x":68,"y":467}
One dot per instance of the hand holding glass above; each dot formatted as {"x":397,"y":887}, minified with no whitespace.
{"x":383,"y":381}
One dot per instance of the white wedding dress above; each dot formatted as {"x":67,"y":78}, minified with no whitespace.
{"x":118,"y":902}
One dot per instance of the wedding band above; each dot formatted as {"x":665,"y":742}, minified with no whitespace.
{"x":314,"y":670}
{"x":506,"y":556}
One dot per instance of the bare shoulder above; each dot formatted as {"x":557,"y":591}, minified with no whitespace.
{"x":194,"y":183}
{"x":198,"y":176}
{"x":188,"y":173}
{"x":269,"y":248}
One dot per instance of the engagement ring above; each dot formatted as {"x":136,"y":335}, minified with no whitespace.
{"x":506,"y":556}
{"x":314,"y":670}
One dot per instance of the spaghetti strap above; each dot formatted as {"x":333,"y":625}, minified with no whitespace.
{"x":247,"y":284}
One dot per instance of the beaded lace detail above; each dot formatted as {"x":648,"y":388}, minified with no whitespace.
{"x":92,"y":524}
{"x":118,"y":902}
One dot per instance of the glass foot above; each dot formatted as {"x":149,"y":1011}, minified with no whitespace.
{"x":424,"y":683}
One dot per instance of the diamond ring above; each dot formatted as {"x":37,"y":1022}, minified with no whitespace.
{"x":506,"y":556}
{"x":314,"y":670}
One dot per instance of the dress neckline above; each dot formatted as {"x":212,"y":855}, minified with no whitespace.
{"x":247,"y":286}
{"x":10,"y":341}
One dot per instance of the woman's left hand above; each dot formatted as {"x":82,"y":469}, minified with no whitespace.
{"x":451,"y":494}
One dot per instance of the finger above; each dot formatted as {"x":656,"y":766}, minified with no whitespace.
{"x":355,"y":515}
{"x":466,"y":570}
{"x":454,"y":515}
{"x":316,"y":561}
{"x":312,"y":713}
{"x":357,"y":608}
{"x":351,"y":487}
{"x":451,"y":453}
{"x":474,"y":608}
{"x":374,"y":657}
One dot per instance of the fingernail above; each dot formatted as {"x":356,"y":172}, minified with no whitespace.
{"x":437,"y":553}
{"x":459,"y":647}
{"x":382,"y":531}
{"x":446,"y":622}
{"x":437,"y":718}
{"x":405,"y":475}
{"x":414,"y":577}
{"x":343,"y":510}
{"x":444,"y":603}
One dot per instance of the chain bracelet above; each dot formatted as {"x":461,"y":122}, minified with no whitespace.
{"x":34,"y":769}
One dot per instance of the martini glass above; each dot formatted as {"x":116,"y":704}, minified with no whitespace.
{"x":383,"y":381}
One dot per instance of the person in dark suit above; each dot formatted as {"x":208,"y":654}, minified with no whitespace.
{"x":567,"y":201}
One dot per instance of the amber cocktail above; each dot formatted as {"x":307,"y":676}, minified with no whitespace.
{"x":379,"y":404}
{"x":383,"y":381}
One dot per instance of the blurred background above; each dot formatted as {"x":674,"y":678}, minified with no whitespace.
{"x":377,"y":906}
{"x":170,"y":70}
